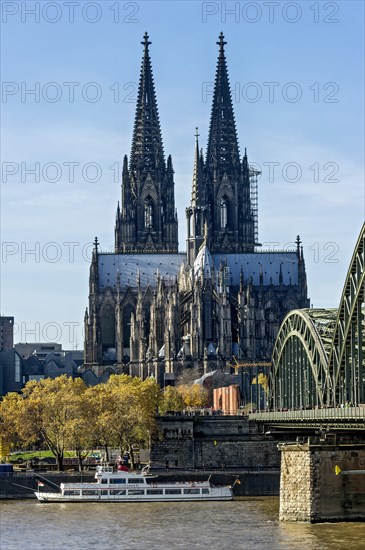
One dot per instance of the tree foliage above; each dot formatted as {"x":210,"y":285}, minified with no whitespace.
{"x":8,"y":413}
{"x":49,"y":413}
{"x":184,"y":396}
{"x":172,"y":400}
{"x":262,"y":379}
{"x":62,"y":413}
{"x":194,"y":396}
{"x":135,"y":404}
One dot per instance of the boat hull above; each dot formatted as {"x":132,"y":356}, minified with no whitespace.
{"x":55,"y":497}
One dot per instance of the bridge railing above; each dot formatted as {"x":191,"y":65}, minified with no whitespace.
{"x":350,"y":414}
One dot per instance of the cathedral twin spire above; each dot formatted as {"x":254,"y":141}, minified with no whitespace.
{"x":147,"y":221}
{"x":147,"y":153}
{"x":223,"y":151}
{"x":220,"y":202}
{"x":223,"y":180}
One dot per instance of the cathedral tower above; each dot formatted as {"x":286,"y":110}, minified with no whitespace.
{"x":147,"y":219}
{"x":231,"y":226}
{"x":153,"y":310}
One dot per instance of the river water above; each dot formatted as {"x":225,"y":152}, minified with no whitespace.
{"x":243,"y":524}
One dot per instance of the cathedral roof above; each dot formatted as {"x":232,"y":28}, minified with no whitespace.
{"x":129,"y":266}
{"x":266,"y":267}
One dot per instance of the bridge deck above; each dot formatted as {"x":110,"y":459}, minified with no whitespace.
{"x":353,"y":417}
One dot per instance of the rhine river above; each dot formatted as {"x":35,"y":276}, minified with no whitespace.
{"x":244,"y":524}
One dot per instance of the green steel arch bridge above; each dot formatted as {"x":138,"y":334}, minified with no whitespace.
{"x":318,"y":361}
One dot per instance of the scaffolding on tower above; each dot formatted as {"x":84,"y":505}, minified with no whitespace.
{"x":254,"y":175}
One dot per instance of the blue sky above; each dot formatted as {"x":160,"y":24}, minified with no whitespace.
{"x":296,"y":72}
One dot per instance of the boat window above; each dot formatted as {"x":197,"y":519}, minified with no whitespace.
{"x":104,"y":492}
{"x":154,"y":491}
{"x":71,"y":493}
{"x":205,"y":491}
{"x":117,"y":480}
{"x":104,"y":480}
{"x":89,"y":492}
{"x":117,"y":492}
{"x":172,"y":491}
{"x":136,"y":480}
{"x":191,"y":491}
{"x":135,"y":492}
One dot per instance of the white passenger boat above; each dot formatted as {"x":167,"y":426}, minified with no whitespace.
{"x":121,"y":486}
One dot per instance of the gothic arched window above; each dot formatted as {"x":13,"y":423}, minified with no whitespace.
{"x":107,"y":326}
{"x":148,"y":213}
{"x":127,"y":312}
{"x":224,"y":212}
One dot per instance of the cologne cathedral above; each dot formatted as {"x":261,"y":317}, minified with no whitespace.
{"x":154,"y":311}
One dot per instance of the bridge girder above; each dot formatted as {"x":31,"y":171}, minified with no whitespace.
{"x":319,"y":355}
{"x":299,"y":377}
{"x":347,"y":357}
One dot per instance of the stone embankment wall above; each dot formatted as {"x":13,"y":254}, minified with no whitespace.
{"x":212,"y":442}
{"x":311,"y":491}
{"x":23,"y":485}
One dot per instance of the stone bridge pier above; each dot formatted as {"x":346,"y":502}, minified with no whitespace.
{"x":312,"y":491}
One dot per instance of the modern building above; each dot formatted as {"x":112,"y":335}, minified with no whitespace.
{"x":10,"y":360}
{"x":40,"y":349}
{"x":11,"y":374}
{"x":35,"y":361}
{"x":154,"y":310}
{"x":6,"y":333}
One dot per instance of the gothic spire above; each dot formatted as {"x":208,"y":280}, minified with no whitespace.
{"x":298,"y":243}
{"x":245,"y":160}
{"x":147,"y":153}
{"x":94,"y":274}
{"x":197,"y":194}
{"x":223,"y":150}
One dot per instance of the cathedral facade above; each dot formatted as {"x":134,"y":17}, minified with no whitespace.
{"x":154,"y":310}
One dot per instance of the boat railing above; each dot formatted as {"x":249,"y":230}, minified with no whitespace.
{"x":104,"y":468}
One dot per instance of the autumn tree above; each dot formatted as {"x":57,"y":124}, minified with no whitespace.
{"x":262,"y":379}
{"x":9,"y":407}
{"x":194,"y":396}
{"x":149,"y":395}
{"x":135,"y":404}
{"x":62,"y":413}
{"x":102,"y":416}
{"x":80,"y":426}
{"x":46,"y":411}
{"x":172,"y":400}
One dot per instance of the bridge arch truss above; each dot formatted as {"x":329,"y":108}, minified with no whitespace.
{"x":347,"y":356}
{"x":299,"y":376}
{"x":319,"y":354}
